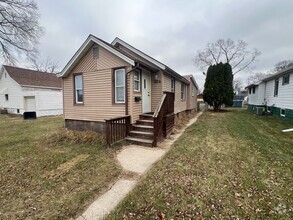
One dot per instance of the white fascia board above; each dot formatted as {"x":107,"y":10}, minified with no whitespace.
{"x":82,"y":49}
{"x":148,"y":58}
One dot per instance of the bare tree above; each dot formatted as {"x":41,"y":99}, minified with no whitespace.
{"x":226,"y":51}
{"x":256,"y":77}
{"x":282,"y":65}
{"x":237,"y":84}
{"x":19,"y":29}
{"x":46,"y":65}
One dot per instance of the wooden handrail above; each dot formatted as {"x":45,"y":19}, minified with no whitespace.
{"x":159,"y":107}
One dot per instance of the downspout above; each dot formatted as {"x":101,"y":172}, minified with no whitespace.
{"x":126,"y":89}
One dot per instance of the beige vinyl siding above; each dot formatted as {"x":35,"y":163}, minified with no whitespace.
{"x":97,"y":87}
{"x":87,"y":63}
{"x":179,"y":105}
{"x":193,"y":99}
{"x":157,"y":91}
{"x":167,"y":83}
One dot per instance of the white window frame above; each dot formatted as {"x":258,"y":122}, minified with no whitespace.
{"x":282,"y":115}
{"x":119,"y":86}
{"x":136,"y":80}
{"x":276,"y":88}
{"x":183,"y":93}
{"x":76,"y":89}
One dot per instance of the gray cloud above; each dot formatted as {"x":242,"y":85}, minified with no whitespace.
{"x":171,"y":31}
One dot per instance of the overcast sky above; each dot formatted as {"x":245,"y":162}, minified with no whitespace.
{"x":170,"y":31}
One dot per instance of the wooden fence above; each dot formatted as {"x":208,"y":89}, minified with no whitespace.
{"x":117,"y":129}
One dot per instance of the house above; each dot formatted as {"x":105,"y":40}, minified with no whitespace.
{"x":274,"y":93}
{"x":24,"y":90}
{"x":239,"y":99}
{"x":103,"y":81}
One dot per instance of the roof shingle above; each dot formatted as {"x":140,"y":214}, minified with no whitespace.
{"x":27,"y":77}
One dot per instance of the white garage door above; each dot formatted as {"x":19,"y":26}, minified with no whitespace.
{"x":30,"y":104}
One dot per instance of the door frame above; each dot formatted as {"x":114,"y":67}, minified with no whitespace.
{"x":148,"y":76}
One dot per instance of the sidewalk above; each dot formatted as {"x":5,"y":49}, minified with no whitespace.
{"x":135,"y":160}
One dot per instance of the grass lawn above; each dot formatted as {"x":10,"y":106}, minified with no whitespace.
{"x":229,"y":165}
{"x":46,"y":174}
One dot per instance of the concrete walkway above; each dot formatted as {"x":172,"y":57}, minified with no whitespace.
{"x":135,"y":159}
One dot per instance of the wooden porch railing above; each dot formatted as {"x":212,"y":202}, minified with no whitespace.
{"x":163,"y":117}
{"x":117,"y":129}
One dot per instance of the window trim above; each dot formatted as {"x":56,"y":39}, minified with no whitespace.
{"x":135,"y":80}
{"x":74,"y":89}
{"x":276,"y":89}
{"x":114,"y":86}
{"x":283,"y":81}
{"x":253,"y":90}
{"x":183,"y":92}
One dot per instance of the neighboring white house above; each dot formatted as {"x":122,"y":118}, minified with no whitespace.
{"x":25,"y":90}
{"x":275,"y":93}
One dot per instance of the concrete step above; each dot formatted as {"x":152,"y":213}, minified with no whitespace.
{"x":141,"y":134}
{"x":140,"y":141}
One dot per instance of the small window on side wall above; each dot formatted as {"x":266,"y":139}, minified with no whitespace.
{"x":172,"y":85}
{"x":119,"y":85}
{"x":6,"y":97}
{"x":283,"y":112}
{"x":286,"y":79}
{"x":78,"y":90}
{"x":136,"y":82}
{"x":276,"y":90}
{"x":183,"y":91}
{"x":253,"y":90}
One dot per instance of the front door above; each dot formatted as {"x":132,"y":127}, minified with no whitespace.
{"x":146,"y":92}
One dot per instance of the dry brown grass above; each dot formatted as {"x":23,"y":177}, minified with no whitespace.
{"x":64,"y":136}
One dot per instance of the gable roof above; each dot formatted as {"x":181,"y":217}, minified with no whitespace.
{"x":149,"y":58}
{"x":33,"y":78}
{"x":191,"y":78}
{"x":84,"y":48}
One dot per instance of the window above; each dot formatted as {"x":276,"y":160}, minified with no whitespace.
{"x":78,"y":88}
{"x":119,"y":86}
{"x":250,"y":90}
{"x":136,"y":82}
{"x":286,"y":79}
{"x":96,"y":52}
{"x":172,"y":85}
{"x":283,"y":112}
{"x":276,"y":91}
{"x":6,"y":97}
{"x":183,"y":91}
{"x":253,"y":90}
{"x":192,"y":89}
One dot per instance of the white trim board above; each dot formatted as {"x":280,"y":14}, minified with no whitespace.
{"x":143,"y":55}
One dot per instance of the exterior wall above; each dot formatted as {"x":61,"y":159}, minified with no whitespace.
{"x":285,"y":93}
{"x":193,"y":97}
{"x":167,"y":83}
{"x":15,"y":100}
{"x":157,"y":90}
{"x":179,"y":105}
{"x":258,"y":97}
{"x":48,"y":101}
{"x":136,"y":106}
{"x":85,"y":125}
{"x":97,"y":88}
